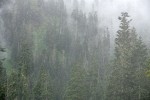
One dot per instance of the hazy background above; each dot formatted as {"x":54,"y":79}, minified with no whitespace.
{"x":58,"y":49}
{"x":109,"y":10}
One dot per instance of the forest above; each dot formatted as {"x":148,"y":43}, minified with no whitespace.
{"x":74,"y":50}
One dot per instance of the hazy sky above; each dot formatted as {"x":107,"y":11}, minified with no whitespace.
{"x":109,"y":10}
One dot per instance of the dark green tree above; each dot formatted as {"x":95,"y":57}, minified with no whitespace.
{"x":138,"y":60}
{"x":25,"y":67}
{"x":12,"y":86}
{"x":3,"y":78}
{"x":121,"y":86}
{"x":3,"y":82}
{"x":76,"y":88}
{"x":93,"y":81}
{"x":43,"y":89}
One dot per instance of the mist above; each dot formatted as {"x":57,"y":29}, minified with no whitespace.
{"x":74,"y":50}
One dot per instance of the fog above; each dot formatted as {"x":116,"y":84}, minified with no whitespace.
{"x":74,"y":50}
{"x":109,"y":10}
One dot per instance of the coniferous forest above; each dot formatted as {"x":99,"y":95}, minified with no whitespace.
{"x":74,"y":50}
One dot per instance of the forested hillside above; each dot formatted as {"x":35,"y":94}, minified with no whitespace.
{"x":59,"y":50}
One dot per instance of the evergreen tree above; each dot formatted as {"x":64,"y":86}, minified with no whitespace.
{"x":24,"y":71}
{"x":76,"y":88}
{"x":3,"y":82}
{"x":93,"y":81}
{"x":121,"y":86}
{"x":138,"y":60}
{"x":3,"y":78}
{"x":147,"y":73}
{"x":12,"y":86}
{"x":43,"y":89}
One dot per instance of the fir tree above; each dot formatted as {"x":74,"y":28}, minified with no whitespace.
{"x":3,"y":78}
{"x":12,"y":86}
{"x":93,"y":81}
{"x":43,"y":89}
{"x":24,"y":71}
{"x":76,"y":88}
{"x":138,"y":60}
{"x":122,"y":80}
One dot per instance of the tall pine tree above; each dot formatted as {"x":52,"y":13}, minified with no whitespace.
{"x":126,"y":81}
{"x":76,"y":88}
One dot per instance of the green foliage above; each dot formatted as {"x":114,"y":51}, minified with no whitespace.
{"x":3,"y":82}
{"x":93,"y":81}
{"x":43,"y":89}
{"x":147,"y":73}
{"x":76,"y":88}
{"x":121,"y":74}
{"x":44,"y":41}
{"x":3,"y":78}
{"x":128,"y":69}
{"x":12,"y":85}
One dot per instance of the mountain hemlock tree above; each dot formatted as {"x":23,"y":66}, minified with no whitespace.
{"x":76,"y":88}
{"x":94,"y":91}
{"x":3,"y":78}
{"x":122,"y":84}
{"x":43,"y":89}
{"x":24,"y":71}
{"x":139,"y":59}
{"x":120,"y":75}
{"x":147,"y":72}
{"x":3,"y":82}
{"x":12,"y":86}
